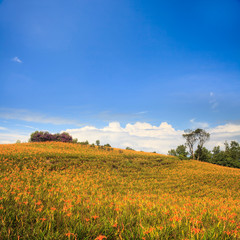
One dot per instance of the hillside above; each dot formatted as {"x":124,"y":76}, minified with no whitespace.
{"x":69,"y":191}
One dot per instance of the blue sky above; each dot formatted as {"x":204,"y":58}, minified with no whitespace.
{"x":72,"y":64}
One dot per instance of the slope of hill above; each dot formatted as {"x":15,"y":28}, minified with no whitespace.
{"x":68,"y":191}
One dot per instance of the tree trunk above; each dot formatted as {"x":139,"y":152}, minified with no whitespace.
{"x":193,"y":155}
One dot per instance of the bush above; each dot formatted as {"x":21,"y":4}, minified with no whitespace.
{"x":84,"y":143}
{"x":46,"y":136}
{"x":128,"y":148}
{"x":107,"y":145}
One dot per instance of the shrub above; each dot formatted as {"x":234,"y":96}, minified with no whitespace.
{"x":107,"y":145}
{"x":128,"y":148}
{"x":84,"y":143}
{"x":46,"y":136}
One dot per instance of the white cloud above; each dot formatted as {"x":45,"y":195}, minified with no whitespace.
{"x":140,"y":136}
{"x":147,"y":137}
{"x":16,"y":59}
{"x":3,"y":129}
{"x":221,"y":133}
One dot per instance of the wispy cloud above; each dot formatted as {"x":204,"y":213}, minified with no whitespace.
{"x":16,"y":59}
{"x":28,"y":116}
{"x":143,"y":112}
{"x":11,"y":137}
{"x":26,"y":126}
{"x":213,"y":102}
{"x":109,"y":116}
{"x":195,"y":124}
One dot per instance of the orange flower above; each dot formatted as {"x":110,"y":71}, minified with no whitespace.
{"x":53,"y":208}
{"x":115,"y":225}
{"x":196,"y":230}
{"x":95,"y":217}
{"x":69,"y":234}
{"x":69,"y":214}
{"x":39,"y":209}
{"x":101,"y":237}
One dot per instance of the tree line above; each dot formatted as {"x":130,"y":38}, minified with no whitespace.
{"x":229,"y":157}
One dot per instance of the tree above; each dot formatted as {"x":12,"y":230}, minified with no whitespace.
{"x":203,"y":154}
{"x":65,"y":137}
{"x":202,"y":137}
{"x":192,"y":136}
{"x":180,"y":152}
{"x":75,"y":140}
{"x":216,"y":150}
{"x":191,"y":139}
{"x":128,"y":148}
{"x":46,"y":136}
{"x":232,"y":151}
{"x":172,"y":152}
{"x":107,"y":145}
{"x":41,"y":136}
{"x":98,"y":142}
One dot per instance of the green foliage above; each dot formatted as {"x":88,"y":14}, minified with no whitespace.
{"x":75,"y":140}
{"x":98,"y":142}
{"x":203,"y":154}
{"x":230,"y":157}
{"x":84,"y":143}
{"x":180,"y":152}
{"x":107,"y":145}
{"x":172,"y":152}
{"x":128,"y":148}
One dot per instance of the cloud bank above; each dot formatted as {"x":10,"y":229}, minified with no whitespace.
{"x":146,"y":137}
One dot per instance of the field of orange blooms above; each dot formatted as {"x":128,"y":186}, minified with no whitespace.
{"x":69,"y":191}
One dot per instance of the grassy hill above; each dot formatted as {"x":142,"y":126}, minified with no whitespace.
{"x":69,"y":191}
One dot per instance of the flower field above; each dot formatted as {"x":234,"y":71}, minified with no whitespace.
{"x":70,"y":191}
